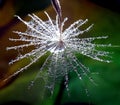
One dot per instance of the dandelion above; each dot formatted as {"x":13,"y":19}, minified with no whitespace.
{"x":62,"y":45}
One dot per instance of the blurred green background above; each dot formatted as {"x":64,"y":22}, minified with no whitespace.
{"x":105,"y":16}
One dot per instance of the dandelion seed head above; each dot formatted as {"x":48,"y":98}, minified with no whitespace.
{"x":50,"y":36}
